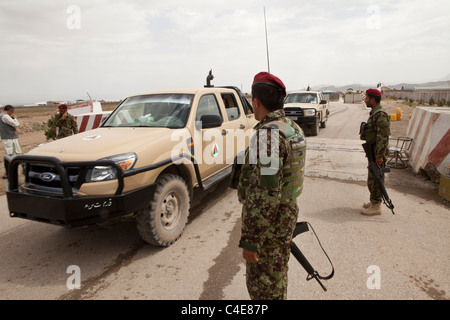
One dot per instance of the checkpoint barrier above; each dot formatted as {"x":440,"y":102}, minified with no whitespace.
{"x":88,"y":115}
{"x":430,"y":129}
{"x":90,"y":121}
{"x":83,"y":108}
{"x":353,"y":98}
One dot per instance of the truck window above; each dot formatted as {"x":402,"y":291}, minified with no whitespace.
{"x":207,"y":105}
{"x":301,"y":98}
{"x":154,"y":110}
{"x":231,"y":106}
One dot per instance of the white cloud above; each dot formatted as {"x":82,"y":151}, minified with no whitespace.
{"x":124,"y":47}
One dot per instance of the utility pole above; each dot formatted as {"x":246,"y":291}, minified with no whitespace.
{"x":267,"y":41}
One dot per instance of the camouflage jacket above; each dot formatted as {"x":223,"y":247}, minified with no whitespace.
{"x":266,"y":221}
{"x":65,"y":126}
{"x":378,"y":131}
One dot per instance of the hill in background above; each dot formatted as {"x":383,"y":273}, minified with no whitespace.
{"x":361,"y":87}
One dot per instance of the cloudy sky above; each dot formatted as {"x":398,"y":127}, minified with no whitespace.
{"x":60,"y":50}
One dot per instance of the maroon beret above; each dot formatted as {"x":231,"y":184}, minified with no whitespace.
{"x":373,"y":92}
{"x":64,"y":106}
{"x":269,"y":79}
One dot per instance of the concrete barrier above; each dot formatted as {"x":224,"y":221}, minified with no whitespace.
{"x":430,"y":129}
{"x":90,"y":121}
{"x":83,"y":108}
{"x":88,"y":115}
{"x":353,"y":98}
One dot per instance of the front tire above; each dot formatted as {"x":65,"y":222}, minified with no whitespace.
{"x":163,"y":221}
{"x":315,"y":128}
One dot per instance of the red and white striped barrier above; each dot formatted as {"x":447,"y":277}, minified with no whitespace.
{"x":90,"y":121}
{"x":430,"y":129}
{"x":83,"y":108}
{"x":88,"y":115}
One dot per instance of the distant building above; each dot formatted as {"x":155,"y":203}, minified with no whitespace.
{"x":431,"y":88}
{"x":55,"y":103}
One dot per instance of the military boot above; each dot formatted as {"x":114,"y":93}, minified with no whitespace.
{"x":367,"y":205}
{"x":374,"y":209}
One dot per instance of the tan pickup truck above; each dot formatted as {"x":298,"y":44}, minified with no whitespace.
{"x":147,"y":158}
{"x":308,"y":109}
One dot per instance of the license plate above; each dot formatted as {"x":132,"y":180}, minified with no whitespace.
{"x":293,"y":118}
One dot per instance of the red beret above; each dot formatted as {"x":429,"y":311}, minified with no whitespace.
{"x":269,"y":79}
{"x":64,"y":106}
{"x":373,"y":92}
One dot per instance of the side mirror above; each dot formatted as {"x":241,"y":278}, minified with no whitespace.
{"x":323,"y":101}
{"x":209,"y":121}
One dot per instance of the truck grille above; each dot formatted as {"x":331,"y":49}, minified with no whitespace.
{"x":297,"y":112}
{"x":46,"y":178}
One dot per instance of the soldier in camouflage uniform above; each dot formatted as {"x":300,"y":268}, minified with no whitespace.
{"x":270,"y":180}
{"x":377,"y":131}
{"x":65,"y":123}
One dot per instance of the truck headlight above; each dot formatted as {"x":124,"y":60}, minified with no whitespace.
{"x":103,"y":173}
{"x":310,"y":112}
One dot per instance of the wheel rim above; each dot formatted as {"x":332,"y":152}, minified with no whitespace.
{"x":170,"y":211}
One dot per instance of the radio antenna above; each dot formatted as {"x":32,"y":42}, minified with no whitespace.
{"x":267,"y":41}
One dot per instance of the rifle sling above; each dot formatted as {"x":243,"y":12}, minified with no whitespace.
{"x":300,"y":228}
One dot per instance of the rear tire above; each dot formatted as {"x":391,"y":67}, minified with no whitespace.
{"x":163,"y":221}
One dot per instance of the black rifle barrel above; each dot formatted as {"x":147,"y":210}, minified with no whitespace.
{"x":377,"y":172}
{"x":305,"y":264}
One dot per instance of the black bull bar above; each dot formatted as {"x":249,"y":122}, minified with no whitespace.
{"x":70,"y":210}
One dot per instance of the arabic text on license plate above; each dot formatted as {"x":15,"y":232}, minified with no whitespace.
{"x":293,"y":118}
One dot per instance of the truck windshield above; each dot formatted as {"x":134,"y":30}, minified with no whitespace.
{"x":301,"y":98}
{"x":154,"y":110}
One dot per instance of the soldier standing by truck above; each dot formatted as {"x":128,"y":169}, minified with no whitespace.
{"x":269,"y":194}
{"x":376,"y":131}
{"x":62,"y":124}
{"x":65,"y":123}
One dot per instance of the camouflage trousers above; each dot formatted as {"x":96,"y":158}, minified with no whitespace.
{"x":374,"y":188}
{"x":267,"y":278}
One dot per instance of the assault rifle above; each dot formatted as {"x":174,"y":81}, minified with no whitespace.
{"x":312,"y":274}
{"x":378,"y":173}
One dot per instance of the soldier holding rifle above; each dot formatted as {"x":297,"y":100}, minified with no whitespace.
{"x":376,"y":131}
{"x":269,"y":192}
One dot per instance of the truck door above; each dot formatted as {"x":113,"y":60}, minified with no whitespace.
{"x":211,"y":139}
{"x":237,"y":124}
